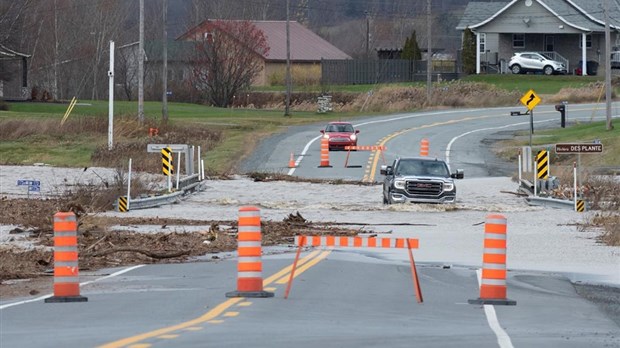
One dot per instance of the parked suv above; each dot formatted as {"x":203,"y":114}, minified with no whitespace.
{"x":419,"y":180}
{"x":522,"y":62}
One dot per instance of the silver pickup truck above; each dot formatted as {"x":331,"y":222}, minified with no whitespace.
{"x":419,"y":180}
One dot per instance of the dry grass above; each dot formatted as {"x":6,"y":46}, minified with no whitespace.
{"x":593,"y":92}
{"x":452,"y":94}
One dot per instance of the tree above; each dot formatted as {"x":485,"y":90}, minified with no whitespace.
{"x":228,"y":57}
{"x":411,"y":50}
{"x":469,"y":52}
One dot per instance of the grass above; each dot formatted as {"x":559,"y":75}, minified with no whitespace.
{"x":578,"y":133}
{"x":585,"y":133}
{"x":541,"y":84}
{"x":240,"y":130}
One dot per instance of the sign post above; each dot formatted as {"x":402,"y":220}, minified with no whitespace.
{"x":530,"y":100}
{"x":578,"y":148}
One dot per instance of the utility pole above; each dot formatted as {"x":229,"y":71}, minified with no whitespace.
{"x":55,"y":95}
{"x":164,"y":82}
{"x":287,"y":107}
{"x":429,"y":56}
{"x":367,"y":35}
{"x":609,"y":126}
{"x":141,"y":66}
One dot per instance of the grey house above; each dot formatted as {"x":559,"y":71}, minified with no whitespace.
{"x":570,"y":31}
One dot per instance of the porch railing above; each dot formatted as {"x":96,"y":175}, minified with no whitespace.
{"x":556,"y":56}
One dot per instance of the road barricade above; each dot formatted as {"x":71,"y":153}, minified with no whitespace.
{"x":379,"y":148}
{"x":66,"y":270}
{"x":358,"y":242}
{"x":324,"y":153}
{"x":493,"y":281}
{"x":424,"y":147}
{"x":249,"y":250}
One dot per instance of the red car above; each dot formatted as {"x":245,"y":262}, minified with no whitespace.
{"x":340,"y":134}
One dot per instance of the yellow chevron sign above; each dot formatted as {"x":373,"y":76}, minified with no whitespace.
{"x":166,"y":161}
{"x":581,"y":205}
{"x":542,"y":164}
{"x":530,"y":99}
{"x":122,"y":204}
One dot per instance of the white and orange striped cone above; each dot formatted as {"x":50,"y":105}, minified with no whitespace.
{"x":325,"y":153}
{"x":424,"y":146}
{"x":493,"y":281}
{"x":66,"y":270}
{"x":250,"y":265}
{"x":291,"y":162}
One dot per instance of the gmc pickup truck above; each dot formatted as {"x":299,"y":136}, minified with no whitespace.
{"x":419,"y":180}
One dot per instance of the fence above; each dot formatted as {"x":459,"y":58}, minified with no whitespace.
{"x":358,"y":71}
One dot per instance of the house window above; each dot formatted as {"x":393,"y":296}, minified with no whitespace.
{"x":483,"y":41}
{"x":588,"y":42}
{"x":209,"y":36}
{"x":518,"y":40}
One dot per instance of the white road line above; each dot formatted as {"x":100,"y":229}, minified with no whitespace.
{"x":502,"y":337}
{"x":305,"y":150}
{"x":41,"y":298}
{"x":500,"y":127}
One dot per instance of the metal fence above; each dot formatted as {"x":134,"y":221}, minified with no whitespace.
{"x":357,"y":71}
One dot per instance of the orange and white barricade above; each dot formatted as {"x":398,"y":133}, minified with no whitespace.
{"x":424,"y":147}
{"x":493,"y":280}
{"x":379,"y":148}
{"x":324,"y":153}
{"x":357,"y":242}
{"x":250,"y":265}
{"x":66,"y":270}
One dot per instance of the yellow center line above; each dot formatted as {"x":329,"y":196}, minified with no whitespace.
{"x":231,"y":314}
{"x":207,"y":317}
{"x":375,"y":159}
{"x":303,"y":268}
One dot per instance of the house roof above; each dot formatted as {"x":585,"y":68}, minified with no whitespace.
{"x":305,"y":44}
{"x":477,"y":12}
{"x":580,"y":14}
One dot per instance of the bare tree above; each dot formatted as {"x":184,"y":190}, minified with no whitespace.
{"x":228,"y":58}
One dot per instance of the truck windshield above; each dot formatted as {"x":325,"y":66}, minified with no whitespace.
{"x":422,"y":168}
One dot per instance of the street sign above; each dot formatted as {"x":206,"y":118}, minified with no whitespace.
{"x":530,"y":99}
{"x":578,"y":148}
{"x":173,"y":147}
{"x":34,"y":188}
{"x":23,"y":182}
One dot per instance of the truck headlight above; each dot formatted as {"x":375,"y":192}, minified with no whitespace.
{"x":448,"y":186}
{"x":399,"y":184}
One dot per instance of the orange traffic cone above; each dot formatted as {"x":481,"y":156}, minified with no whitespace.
{"x":291,"y":162}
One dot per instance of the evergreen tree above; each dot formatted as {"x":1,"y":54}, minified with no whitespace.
{"x":411,"y":50}
{"x":469,"y":52}
{"x":406,"y":54}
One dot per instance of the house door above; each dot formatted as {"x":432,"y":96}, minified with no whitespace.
{"x":549,"y":43}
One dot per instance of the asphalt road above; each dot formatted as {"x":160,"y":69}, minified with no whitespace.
{"x":462,"y":137}
{"x":345,"y":298}
{"x":340,"y":298}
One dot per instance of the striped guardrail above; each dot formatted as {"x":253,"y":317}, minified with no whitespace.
{"x":187,"y":185}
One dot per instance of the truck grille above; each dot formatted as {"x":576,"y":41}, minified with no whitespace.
{"x":425,"y":188}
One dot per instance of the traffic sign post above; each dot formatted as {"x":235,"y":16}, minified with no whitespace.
{"x":530,"y":100}
{"x":578,"y":148}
